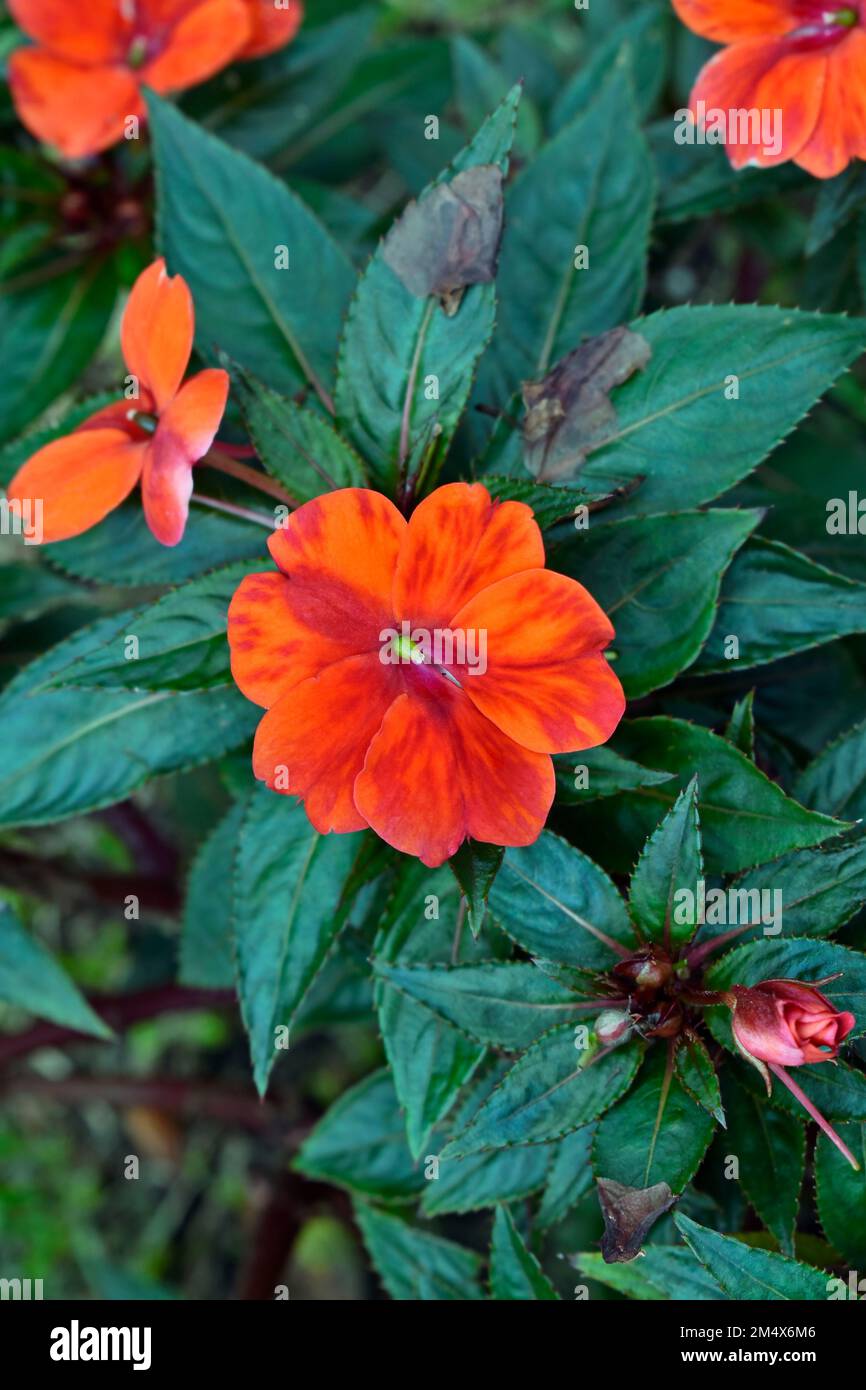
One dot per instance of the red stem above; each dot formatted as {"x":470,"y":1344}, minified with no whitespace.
{"x":807,"y":1105}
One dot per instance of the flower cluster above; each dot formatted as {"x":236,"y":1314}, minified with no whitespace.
{"x":82,"y":79}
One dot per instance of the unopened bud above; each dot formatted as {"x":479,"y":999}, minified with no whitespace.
{"x":612,"y":1026}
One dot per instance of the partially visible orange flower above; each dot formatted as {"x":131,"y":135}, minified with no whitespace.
{"x":373,"y":723}
{"x":157,"y":437}
{"x":804,"y":58}
{"x":273,"y":24}
{"x":76,"y":87}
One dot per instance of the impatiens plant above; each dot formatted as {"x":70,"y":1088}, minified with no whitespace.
{"x":431,"y":809}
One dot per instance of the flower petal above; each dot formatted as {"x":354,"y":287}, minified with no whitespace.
{"x":157,"y":331}
{"x":459,"y":541}
{"x":340,"y":551}
{"x":91,"y":34}
{"x":185,"y":432}
{"x":438,"y":772}
{"x":205,"y":40}
{"x":839,"y":134}
{"x":272,"y":647}
{"x":759,"y":79}
{"x":271,"y":28}
{"x":546,"y":683}
{"x":313,"y":741}
{"x":193,"y":417}
{"x":166,"y":487}
{"x":78,"y":110}
{"x":78,"y":480}
{"x":727,"y":21}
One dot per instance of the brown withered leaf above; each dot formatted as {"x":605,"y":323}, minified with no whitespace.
{"x":450,"y":238}
{"x":569,"y":411}
{"x":628,"y":1213}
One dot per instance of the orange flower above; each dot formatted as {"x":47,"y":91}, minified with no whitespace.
{"x":77,"y":86}
{"x":157,"y":438}
{"x":271,"y":25}
{"x":802,"y":58}
{"x":365,"y":648}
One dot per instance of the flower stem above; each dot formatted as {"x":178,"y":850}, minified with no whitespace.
{"x":231,"y":510}
{"x":807,"y":1105}
{"x":224,"y":464}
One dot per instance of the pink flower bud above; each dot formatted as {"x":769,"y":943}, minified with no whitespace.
{"x":611,"y":1026}
{"x":787,"y":1022}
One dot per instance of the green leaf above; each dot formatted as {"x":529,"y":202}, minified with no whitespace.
{"x":73,"y":750}
{"x":560,"y":906}
{"x":662,"y":1272}
{"x":181,"y":640}
{"x":31,"y":979}
{"x":670,"y":863}
{"x":591,"y":185}
{"x":838,"y":198}
{"x":475,"y":866}
{"x":206,"y":942}
{"x":604,"y":772}
{"x":468,"y":1184}
{"x":643,"y":39}
{"x":745,"y":1273}
{"x":414,"y":1265}
{"x":56,"y":327}
{"x":740,"y":730}
{"x":550,"y":503}
{"x":359,"y":1144}
{"x":656,"y":1133}
{"x":771,"y":1148}
{"x":836,"y":781}
{"x":480,"y":84}
{"x":121,"y":549}
{"x":286,"y":92}
{"x":841,"y":1193}
{"x":28,"y":590}
{"x":658,"y":580}
{"x":745,"y":818}
{"x":296,"y":445}
{"x":547,"y":1093}
{"x":288,"y":887}
{"x":697,"y":180}
{"x":675,"y":424}
{"x":222,"y":220}
{"x":698,"y":1075}
{"x":570,"y":1176}
{"x":798,"y":959}
{"x":819,"y":891}
{"x":507,"y":1004}
{"x":776,"y":602}
{"x":835,"y":1089}
{"x":514,"y":1271}
{"x":430,"y":1059}
{"x":394,"y":341}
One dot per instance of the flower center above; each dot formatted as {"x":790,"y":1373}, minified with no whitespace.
{"x":845,"y":19}
{"x":409,"y":650}
{"x":145,"y":422}
{"x":137,"y":52}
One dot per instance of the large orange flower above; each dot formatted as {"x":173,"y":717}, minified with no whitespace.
{"x":427,"y":749}
{"x":76,"y":87}
{"x":156,"y":437}
{"x":801,"y":57}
